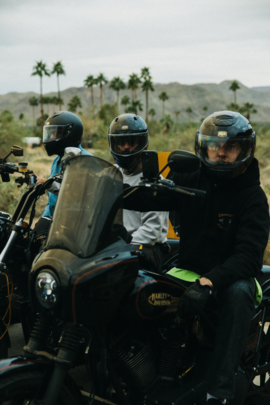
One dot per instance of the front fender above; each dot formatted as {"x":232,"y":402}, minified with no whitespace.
{"x":13,"y":364}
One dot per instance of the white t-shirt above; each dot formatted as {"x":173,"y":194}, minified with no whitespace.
{"x":146,"y":228}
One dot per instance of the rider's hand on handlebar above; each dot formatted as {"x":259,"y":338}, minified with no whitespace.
{"x":41,"y":180}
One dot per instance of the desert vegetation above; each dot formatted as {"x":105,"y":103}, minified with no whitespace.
{"x":166,"y":133}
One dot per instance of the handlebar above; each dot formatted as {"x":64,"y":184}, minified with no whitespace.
{"x":165,"y":185}
{"x":9,"y":168}
{"x":196,"y":193}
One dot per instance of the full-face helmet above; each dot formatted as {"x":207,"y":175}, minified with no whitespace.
{"x":225,"y":143}
{"x":127,"y":137}
{"x":61,"y":129}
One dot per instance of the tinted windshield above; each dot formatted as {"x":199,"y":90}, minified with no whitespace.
{"x":87,"y":215}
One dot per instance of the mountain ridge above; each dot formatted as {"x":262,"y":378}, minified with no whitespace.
{"x":181,"y":96}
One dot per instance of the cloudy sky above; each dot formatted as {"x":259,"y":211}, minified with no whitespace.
{"x":188,"y":41}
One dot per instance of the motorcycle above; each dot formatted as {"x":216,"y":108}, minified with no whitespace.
{"x":18,"y":247}
{"x":19,"y":244}
{"x":119,"y":321}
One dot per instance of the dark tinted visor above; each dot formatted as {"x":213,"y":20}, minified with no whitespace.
{"x":51,"y":132}
{"x":126,"y":145}
{"x":231,"y":150}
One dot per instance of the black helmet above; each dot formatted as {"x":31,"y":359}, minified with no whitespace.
{"x":61,"y":129}
{"x":128,"y":137}
{"x":225,"y":143}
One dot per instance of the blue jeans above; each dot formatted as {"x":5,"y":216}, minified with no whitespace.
{"x":235,"y":305}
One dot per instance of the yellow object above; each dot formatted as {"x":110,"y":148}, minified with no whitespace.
{"x":141,"y":247}
{"x":22,"y":169}
{"x":185,"y":372}
{"x":162,"y":161}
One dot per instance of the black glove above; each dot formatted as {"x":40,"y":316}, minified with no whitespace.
{"x":194,"y":299}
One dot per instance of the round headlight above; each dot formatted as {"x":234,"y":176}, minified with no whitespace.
{"x":47,"y":289}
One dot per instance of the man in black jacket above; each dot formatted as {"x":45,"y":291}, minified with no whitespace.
{"x":223,"y":237}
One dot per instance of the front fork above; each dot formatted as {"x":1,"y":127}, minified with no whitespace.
{"x":68,"y":347}
{"x":17,"y":229}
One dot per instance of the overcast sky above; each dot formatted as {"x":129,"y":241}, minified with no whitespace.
{"x":188,"y":41}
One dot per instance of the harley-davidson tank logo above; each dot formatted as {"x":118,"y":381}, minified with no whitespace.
{"x":160,"y":299}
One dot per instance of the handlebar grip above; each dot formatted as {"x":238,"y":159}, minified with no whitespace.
{"x":5,"y":177}
{"x":198,"y":193}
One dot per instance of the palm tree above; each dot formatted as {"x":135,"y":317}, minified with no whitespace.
{"x":234,"y":87}
{"x":125,"y":101}
{"x":176,"y":113}
{"x":167,"y":122}
{"x":100,"y":80}
{"x":117,"y":84}
{"x":133,"y":84}
{"x":74,"y":103}
{"x":40,"y":69}
{"x":189,"y":111}
{"x":163,"y":97}
{"x":59,"y":70}
{"x":146,"y":86}
{"x":90,"y":81}
{"x":46,"y":101}
{"x":33,"y":101}
{"x":134,"y":107}
{"x":248,"y":109}
{"x":233,"y":107}
{"x":152,"y":112}
{"x":55,"y":101}
{"x":145,"y":73}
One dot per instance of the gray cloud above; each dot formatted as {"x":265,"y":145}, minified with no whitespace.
{"x":189,"y":41}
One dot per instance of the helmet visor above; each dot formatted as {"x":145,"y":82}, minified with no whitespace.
{"x":127,"y":145}
{"x":51,"y":132}
{"x":224,"y":151}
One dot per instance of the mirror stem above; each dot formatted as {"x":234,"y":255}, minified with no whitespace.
{"x":161,"y":171}
{"x":4,"y":159}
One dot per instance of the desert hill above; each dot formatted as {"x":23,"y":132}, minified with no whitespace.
{"x":214,"y":96}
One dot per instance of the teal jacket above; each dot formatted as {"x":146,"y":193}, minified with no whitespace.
{"x":55,"y":169}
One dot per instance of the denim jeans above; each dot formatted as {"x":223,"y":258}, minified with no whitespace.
{"x":235,"y":305}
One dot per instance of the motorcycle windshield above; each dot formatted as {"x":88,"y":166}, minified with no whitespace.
{"x":88,"y":213}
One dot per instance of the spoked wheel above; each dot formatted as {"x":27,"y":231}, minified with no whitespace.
{"x":21,"y":387}
{"x":261,"y":383}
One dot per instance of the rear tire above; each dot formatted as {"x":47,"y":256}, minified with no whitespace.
{"x":22,"y":386}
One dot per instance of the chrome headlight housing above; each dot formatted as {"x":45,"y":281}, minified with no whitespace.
{"x":47,"y":289}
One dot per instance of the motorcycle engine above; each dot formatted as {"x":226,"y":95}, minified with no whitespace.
{"x":150,"y":356}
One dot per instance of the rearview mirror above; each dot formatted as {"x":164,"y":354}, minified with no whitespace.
{"x":181,"y":161}
{"x":17,"y":150}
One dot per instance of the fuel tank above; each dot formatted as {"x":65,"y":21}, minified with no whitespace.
{"x":153,"y":296}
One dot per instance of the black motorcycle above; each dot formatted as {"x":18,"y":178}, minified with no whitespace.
{"x":121,"y":322}
{"x":19,"y":244}
{"x":18,"y":247}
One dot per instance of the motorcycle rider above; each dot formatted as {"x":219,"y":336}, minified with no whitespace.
{"x":62,"y":129}
{"x":223,"y":237}
{"x":128,"y":137}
